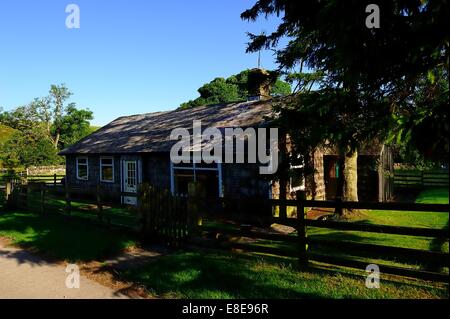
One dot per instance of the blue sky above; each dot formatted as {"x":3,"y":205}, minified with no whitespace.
{"x":128,"y":57}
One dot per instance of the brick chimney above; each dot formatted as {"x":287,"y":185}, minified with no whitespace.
{"x":260,"y":82}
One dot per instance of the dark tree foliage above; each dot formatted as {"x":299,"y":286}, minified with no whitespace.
{"x":27,"y":148}
{"x":379,"y":68}
{"x":231,"y":89}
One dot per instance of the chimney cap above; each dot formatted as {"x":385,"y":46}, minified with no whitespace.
{"x":260,"y":82}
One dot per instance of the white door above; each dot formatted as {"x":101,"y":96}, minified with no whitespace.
{"x":130,"y":181}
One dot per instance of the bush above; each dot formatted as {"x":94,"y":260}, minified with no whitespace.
{"x":25,"y":149}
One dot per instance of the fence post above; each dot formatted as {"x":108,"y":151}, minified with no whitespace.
{"x":8,"y":190}
{"x":24,"y":197}
{"x":54,"y":180}
{"x":68,"y":204}
{"x":338,"y":209}
{"x":143,"y":190}
{"x":99,"y":203}
{"x":422,"y":182}
{"x":193,"y":208}
{"x":301,"y":229}
{"x":42,"y":189}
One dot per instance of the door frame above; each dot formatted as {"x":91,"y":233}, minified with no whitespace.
{"x":331,"y":162}
{"x":123,"y":178}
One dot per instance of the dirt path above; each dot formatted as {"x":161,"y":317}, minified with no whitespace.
{"x":24,"y":275}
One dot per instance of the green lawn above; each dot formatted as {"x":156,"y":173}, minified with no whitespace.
{"x":220,"y":275}
{"x":72,"y":238}
{"x":433,"y":196}
{"x":122,"y":216}
{"x":199,"y":274}
{"x":398,"y":218}
{"x":62,"y":238}
{"x":393,"y":218}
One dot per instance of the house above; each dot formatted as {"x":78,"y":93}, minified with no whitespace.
{"x":136,"y":149}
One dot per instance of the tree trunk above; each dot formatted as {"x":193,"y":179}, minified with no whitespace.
{"x":348,"y":183}
{"x":350,"y":174}
{"x":56,"y":140}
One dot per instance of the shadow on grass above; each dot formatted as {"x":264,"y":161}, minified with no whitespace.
{"x":197,"y":275}
{"x":389,"y":256}
{"x":61,"y":238}
{"x":438,"y":244}
{"x":208,"y":274}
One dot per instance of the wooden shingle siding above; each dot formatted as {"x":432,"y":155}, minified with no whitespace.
{"x":244,"y":180}
{"x":93,"y":172}
{"x":156,"y":170}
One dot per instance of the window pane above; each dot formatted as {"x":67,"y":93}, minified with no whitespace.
{"x":296,"y":178}
{"x":82,"y":160}
{"x":204,"y":165}
{"x":183,"y":165}
{"x":107,"y":173}
{"x":82,"y":171}
{"x":182,"y":179}
{"x":106,"y":161}
{"x":210,"y":182}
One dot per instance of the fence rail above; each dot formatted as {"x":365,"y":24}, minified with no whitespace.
{"x":179,"y":219}
{"x":421,"y":179}
{"x":306,"y":250}
{"x":43,"y":198}
{"x":50,"y":180}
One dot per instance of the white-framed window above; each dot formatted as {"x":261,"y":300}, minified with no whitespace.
{"x":297,"y":180}
{"x":210,"y":175}
{"x":107,"y":169}
{"x":82,"y":168}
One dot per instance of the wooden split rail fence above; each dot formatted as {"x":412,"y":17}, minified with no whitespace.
{"x":420,"y":179}
{"x":158,"y":215}
{"x":179,"y":219}
{"x":307,"y":248}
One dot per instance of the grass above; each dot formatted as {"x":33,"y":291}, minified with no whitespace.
{"x":393,"y":218}
{"x":433,"y":196}
{"x":60,"y":238}
{"x":399,"y":218}
{"x":219,"y":275}
{"x":122,"y":216}
{"x":197,"y":274}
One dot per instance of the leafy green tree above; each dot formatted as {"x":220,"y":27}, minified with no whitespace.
{"x":73,"y":126}
{"x":20,"y":118}
{"x":234,"y":88}
{"x":422,"y":121}
{"x":63,"y":123}
{"x":409,"y":157}
{"x":29,"y":148}
{"x":281,"y":88}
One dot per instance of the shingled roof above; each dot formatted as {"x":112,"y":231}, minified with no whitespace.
{"x":150,"y":132}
